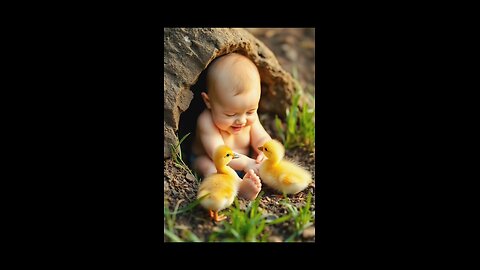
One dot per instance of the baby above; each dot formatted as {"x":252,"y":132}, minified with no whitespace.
{"x":233,"y":85}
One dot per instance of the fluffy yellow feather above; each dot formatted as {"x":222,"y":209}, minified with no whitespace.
{"x":221,"y":187}
{"x":280,"y":174}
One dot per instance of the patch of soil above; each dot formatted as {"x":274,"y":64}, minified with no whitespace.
{"x":292,"y":46}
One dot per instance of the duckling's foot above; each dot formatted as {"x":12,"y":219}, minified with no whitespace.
{"x":250,"y":186}
{"x":211,"y":213}
{"x":218,"y":218}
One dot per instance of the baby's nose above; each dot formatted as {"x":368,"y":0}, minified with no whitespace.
{"x":241,"y":120}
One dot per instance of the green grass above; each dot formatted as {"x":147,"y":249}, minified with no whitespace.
{"x":250,"y":225}
{"x":299,"y":129}
{"x":170,"y":229}
{"x":241,"y":226}
{"x":303,"y":217}
{"x":244,"y":226}
{"x":178,"y":160}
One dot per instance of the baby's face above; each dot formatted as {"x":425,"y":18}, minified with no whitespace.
{"x":234,"y":93}
{"x":233,"y":113}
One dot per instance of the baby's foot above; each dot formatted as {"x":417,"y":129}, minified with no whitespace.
{"x":250,"y":186}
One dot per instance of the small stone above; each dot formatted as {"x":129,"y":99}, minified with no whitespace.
{"x":275,"y":238}
{"x":270,"y":217}
{"x":182,"y":227}
{"x":190,"y":177}
{"x":187,"y":40}
{"x":309,"y":232}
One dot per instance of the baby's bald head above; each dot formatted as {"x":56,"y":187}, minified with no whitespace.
{"x":232,"y":75}
{"x":234,"y":90}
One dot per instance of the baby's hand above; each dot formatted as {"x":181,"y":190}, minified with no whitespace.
{"x":252,"y":164}
{"x":260,"y":158}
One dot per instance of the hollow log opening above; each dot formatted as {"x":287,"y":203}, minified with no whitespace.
{"x":187,"y":54}
{"x":188,"y":119}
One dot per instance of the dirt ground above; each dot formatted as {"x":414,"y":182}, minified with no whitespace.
{"x":292,"y":47}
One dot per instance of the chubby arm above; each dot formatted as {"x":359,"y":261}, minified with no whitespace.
{"x":211,"y":138}
{"x":258,"y":137}
{"x":243,"y":163}
{"x":209,"y":134}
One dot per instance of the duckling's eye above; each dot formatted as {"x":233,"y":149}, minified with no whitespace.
{"x":228,"y":155}
{"x":266,"y":149}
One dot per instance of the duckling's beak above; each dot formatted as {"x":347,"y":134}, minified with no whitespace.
{"x":260,"y":148}
{"x":235,"y":155}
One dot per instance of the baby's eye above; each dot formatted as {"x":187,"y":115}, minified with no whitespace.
{"x":230,"y":115}
{"x":250,"y":113}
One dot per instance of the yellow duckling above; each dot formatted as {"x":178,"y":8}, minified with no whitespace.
{"x":281,"y":174}
{"x":221,"y":187}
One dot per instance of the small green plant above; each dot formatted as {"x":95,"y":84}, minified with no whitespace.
{"x":299,"y":128}
{"x":244,"y":226}
{"x":169,"y":219}
{"x":177,"y":158}
{"x":170,"y":228}
{"x":302,"y":217}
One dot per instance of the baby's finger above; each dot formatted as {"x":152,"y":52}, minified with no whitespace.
{"x":259,"y":158}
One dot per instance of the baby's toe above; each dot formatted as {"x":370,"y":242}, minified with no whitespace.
{"x":256,"y":179}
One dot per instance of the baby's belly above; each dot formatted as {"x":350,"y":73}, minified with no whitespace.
{"x":239,"y":144}
{"x":244,"y":150}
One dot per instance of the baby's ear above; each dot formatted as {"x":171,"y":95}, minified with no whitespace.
{"x":206,"y":99}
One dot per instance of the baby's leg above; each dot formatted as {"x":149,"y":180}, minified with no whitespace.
{"x":204,"y":166}
{"x":250,"y":186}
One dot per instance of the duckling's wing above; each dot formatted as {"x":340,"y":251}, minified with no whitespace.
{"x":295,"y":172}
{"x":217,"y":184}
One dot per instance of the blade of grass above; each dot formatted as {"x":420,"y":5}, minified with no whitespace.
{"x":280,"y":129}
{"x":280,"y":219}
{"x":192,"y":237}
{"x":191,"y":205}
{"x":291,"y":237}
{"x":260,"y":228}
{"x":171,"y":235}
{"x":177,"y":146}
{"x":235,"y":234}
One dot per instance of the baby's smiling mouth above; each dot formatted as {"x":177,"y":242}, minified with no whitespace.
{"x":237,"y":128}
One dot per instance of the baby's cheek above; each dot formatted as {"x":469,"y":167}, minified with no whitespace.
{"x":226,"y":123}
{"x":251,"y":120}
{"x":222,"y":123}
